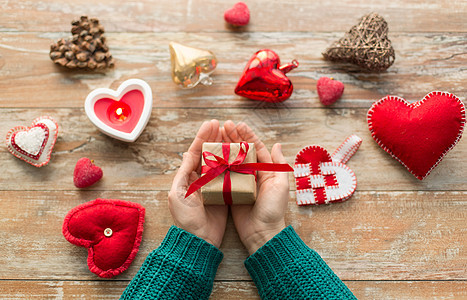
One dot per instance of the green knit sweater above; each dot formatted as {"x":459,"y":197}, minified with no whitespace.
{"x":184,"y":266}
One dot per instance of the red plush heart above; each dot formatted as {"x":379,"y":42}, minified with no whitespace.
{"x":110,"y":229}
{"x":86,"y":173}
{"x":420,"y":134}
{"x":238,"y":15}
{"x":329,"y":90}
{"x":264,"y":79}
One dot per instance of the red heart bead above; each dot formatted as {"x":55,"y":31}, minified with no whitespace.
{"x":329,"y":90}
{"x":110,"y":229}
{"x":86,"y":173}
{"x":264,"y":79}
{"x":238,"y":15}
{"x":418,"y":134}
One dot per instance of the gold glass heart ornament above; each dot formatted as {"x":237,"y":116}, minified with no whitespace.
{"x":191,"y":66}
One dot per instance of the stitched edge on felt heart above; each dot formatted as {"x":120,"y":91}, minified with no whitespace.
{"x":413,"y":106}
{"x":317,"y":183}
{"x":25,"y":157}
{"x":125,"y":87}
{"x":89,"y":244}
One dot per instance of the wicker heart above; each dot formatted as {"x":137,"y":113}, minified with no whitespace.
{"x":365,"y":44}
{"x":33,"y":144}
{"x":111,"y":230}
{"x":418,"y":134}
{"x":322,"y":178}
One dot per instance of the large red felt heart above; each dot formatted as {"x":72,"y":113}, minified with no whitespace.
{"x":264,"y":78}
{"x":420,"y":134}
{"x":110,"y":229}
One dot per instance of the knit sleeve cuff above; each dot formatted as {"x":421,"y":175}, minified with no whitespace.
{"x":278,"y":252}
{"x":191,"y":250}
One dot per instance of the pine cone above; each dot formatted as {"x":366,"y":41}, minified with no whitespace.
{"x":86,"y":49}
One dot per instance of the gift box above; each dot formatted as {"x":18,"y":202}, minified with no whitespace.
{"x":229,"y":173}
{"x":242,"y":185}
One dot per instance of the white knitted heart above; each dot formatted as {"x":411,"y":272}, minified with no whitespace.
{"x":31,"y":141}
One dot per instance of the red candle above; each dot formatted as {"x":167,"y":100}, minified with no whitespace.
{"x":119,"y":113}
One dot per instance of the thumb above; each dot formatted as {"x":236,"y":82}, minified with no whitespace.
{"x":278,"y":158}
{"x":276,"y":154}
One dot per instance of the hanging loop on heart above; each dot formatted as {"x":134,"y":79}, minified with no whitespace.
{"x":347,"y":149}
{"x":289,"y":67}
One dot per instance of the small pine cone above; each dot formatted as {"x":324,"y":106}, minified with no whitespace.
{"x":85,"y":49}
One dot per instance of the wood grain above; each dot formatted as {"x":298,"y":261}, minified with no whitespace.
{"x":377,"y":235}
{"x":150,"y":163}
{"x":201,"y":15}
{"x":109,"y":289}
{"x":396,"y":238}
{"x":425,"y":62}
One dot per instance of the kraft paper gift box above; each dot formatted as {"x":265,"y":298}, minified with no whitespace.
{"x":243,"y":186}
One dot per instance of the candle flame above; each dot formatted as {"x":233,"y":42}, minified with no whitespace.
{"x":119,"y":111}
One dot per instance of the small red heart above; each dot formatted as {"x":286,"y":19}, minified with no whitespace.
{"x":238,"y":15}
{"x":264,"y":79}
{"x":110,"y":229}
{"x":417,"y":134}
{"x":86,"y":173}
{"x":329,"y":90}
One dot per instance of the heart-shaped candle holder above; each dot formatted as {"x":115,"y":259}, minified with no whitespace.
{"x":121,"y":114}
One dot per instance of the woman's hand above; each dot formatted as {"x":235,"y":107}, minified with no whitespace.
{"x":256,"y":224}
{"x":190,"y":214}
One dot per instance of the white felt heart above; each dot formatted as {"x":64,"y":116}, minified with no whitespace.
{"x":33,"y":144}
{"x":343,"y":187}
{"x":134,"y":95}
{"x":31,"y":141}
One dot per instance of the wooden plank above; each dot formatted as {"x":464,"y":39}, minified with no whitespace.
{"x":108,"y":289}
{"x":372,"y":236}
{"x":425,"y":62}
{"x":150,"y":162}
{"x":199,"y":15}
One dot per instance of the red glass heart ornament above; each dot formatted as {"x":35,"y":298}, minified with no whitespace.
{"x":110,"y":229}
{"x":264,"y":79}
{"x":418,"y":134}
{"x":322,"y":178}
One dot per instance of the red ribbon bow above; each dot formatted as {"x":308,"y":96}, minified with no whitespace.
{"x":218,"y":165}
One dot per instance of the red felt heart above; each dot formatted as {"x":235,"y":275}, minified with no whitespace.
{"x":420,"y":134}
{"x":86,"y":173}
{"x":238,"y":15}
{"x":264,"y":79}
{"x":329,"y":90}
{"x":110,"y":229}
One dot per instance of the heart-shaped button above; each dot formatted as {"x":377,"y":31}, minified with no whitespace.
{"x":322,"y":178}
{"x":33,"y":144}
{"x":418,"y":134}
{"x":110,"y":229}
{"x":264,"y":79}
{"x":121,"y":114}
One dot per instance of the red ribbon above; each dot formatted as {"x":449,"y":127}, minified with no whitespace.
{"x":218,"y":165}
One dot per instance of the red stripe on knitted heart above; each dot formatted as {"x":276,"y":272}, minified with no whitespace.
{"x":420,"y":134}
{"x":110,"y":229}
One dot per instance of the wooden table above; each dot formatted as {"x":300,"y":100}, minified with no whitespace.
{"x":396,"y":238}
